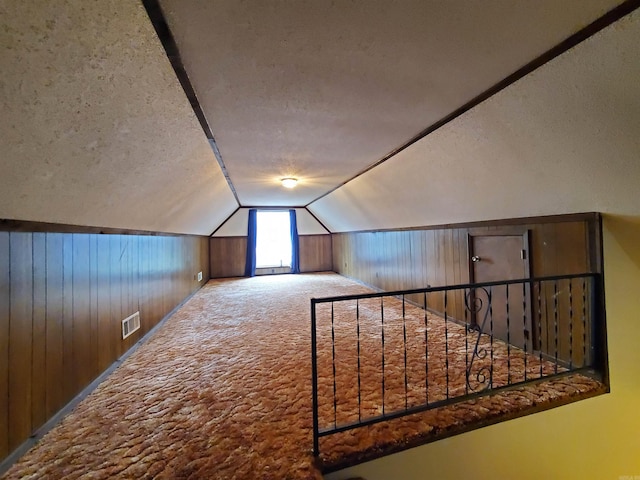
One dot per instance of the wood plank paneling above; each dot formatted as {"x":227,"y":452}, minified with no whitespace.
{"x":416,"y":258}
{"x":20,"y":338}
{"x":557,"y":247}
{"x":315,"y":253}
{"x":67,"y":316}
{"x":62,"y":299}
{"x":5,"y":297}
{"x":129,"y":303}
{"x":38,"y":367}
{"x":115,"y":289}
{"x":203,"y":261}
{"x":152,"y":284}
{"x":227,"y":256}
{"x":144,"y":285}
{"x":81,"y":321}
{"x":93,"y":305}
{"x":167,"y":284}
{"x":417,"y":265}
{"x":104,"y":325}
{"x":55,"y":323}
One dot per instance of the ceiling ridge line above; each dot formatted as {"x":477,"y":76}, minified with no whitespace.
{"x":609,"y":18}
{"x":267,"y":208}
{"x":273,"y":207}
{"x":225,"y":221}
{"x":156,"y":15}
{"x":15,"y":225}
{"x":318,"y":220}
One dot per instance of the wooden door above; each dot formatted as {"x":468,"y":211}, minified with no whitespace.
{"x":499,"y":257}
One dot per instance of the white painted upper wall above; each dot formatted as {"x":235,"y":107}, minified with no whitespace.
{"x":307,"y":225}
{"x":95,"y":128}
{"x":236,"y":225}
{"x":564,"y":139}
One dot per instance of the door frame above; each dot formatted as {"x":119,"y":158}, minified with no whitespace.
{"x":511,"y":231}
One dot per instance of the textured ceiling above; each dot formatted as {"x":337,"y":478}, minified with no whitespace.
{"x":95,"y":129}
{"x":322,"y":90}
{"x":563,"y":139}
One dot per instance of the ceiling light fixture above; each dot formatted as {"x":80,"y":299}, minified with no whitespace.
{"x":289,"y":182}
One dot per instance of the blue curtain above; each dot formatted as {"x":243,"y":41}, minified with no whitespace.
{"x":295,"y":243}
{"x":252,"y":230}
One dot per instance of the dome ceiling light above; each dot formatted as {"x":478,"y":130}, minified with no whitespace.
{"x":289,"y":182}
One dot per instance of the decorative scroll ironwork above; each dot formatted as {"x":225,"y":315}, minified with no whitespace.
{"x":475,"y":301}
{"x":394,"y":362}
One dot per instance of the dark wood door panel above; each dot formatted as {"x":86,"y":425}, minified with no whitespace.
{"x":506,"y":309}
{"x":499,"y":258}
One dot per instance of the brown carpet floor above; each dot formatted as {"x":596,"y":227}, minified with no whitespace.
{"x":223,"y":390}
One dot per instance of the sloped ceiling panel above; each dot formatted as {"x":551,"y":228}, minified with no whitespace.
{"x":95,"y":129}
{"x":322,"y":90}
{"x":564,"y":139}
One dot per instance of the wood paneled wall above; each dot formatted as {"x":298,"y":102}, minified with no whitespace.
{"x":315,"y":253}
{"x":405,"y":259}
{"x":401,"y":259}
{"x":62,"y":299}
{"x":418,"y":258}
{"x":228,"y":255}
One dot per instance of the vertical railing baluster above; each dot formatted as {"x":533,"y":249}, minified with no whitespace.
{"x":555,"y":324}
{"x":382,"y":319}
{"x":508,"y":338}
{"x":358,"y":334}
{"x":548,"y":352}
{"x":446,"y":342}
{"x":490,"y":298}
{"x":466,"y":340}
{"x":584,"y":321}
{"x":314,"y":380}
{"x":570,"y":324}
{"x":426,"y":352}
{"x":595,"y":348}
{"x":524,"y":326}
{"x":540,"y":326}
{"x":333,"y":362}
{"x":404,"y":334}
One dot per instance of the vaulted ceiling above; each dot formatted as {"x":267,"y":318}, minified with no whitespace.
{"x":97,"y":129}
{"x":322,"y":90}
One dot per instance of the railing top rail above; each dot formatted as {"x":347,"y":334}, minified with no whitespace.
{"x":396,"y":293}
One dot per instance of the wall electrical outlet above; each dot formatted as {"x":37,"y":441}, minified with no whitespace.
{"x":199,"y":276}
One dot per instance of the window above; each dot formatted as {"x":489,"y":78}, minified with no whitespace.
{"x":273,"y":239}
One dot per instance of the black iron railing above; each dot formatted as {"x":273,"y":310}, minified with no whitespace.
{"x":380,"y":356}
